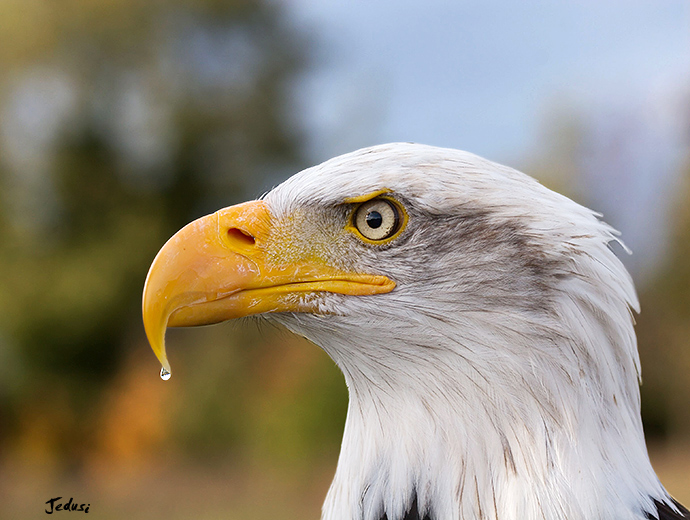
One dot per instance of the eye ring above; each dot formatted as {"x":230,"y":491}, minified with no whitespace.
{"x":378,"y":220}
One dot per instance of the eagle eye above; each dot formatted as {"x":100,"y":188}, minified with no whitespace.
{"x":377,"y":219}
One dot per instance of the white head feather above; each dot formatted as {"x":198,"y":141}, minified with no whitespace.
{"x":499,"y":380}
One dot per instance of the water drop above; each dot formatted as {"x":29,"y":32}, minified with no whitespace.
{"x":165,"y":375}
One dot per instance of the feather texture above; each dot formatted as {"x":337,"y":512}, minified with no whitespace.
{"x":412,"y":514}
{"x":499,"y":380}
{"x":669,"y":511}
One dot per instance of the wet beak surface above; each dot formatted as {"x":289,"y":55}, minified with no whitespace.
{"x":215,"y":269}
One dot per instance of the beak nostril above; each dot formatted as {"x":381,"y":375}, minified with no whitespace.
{"x":241,"y":236}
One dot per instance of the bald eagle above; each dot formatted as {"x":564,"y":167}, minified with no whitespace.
{"x":482,"y":323}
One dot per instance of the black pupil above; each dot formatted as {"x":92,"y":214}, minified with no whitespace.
{"x":374,"y":219}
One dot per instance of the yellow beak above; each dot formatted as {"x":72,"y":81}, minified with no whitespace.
{"x":216,"y":269}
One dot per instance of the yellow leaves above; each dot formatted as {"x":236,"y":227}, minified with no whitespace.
{"x":133,"y":420}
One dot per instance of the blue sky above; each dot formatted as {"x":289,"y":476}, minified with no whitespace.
{"x":479,"y":75}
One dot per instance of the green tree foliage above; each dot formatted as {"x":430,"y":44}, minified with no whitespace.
{"x":663,"y":331}
{"x":121,"y":121}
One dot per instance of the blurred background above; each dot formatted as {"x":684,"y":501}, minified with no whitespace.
{"x":122,"y":120}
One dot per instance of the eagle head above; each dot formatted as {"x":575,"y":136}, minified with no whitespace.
{"x":482,"y":322}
